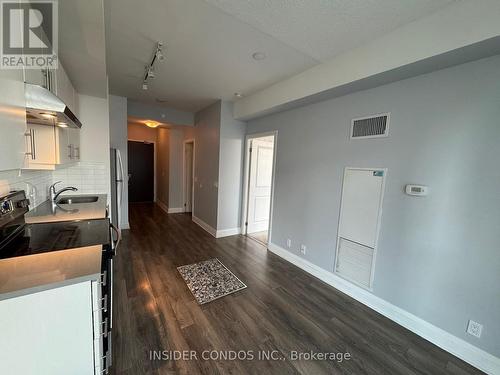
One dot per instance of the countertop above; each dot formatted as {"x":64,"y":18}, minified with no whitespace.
{"x":34,"y":273}
{"x":48,"y":213}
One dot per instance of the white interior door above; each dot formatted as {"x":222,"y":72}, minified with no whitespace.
{"x":188,"y":175}
{"x":259,"y":193}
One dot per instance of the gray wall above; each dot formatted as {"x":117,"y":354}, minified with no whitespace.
{"x":438,"y":256}
{"x":175,"y":199}
{"x":232,"y":139}
{"x":163,"y":166}
{"x":207,"y":126}
{"x":118,"y":139}
{"x":159,"y":113}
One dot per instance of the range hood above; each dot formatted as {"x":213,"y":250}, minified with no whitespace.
{"x":45,"y":108}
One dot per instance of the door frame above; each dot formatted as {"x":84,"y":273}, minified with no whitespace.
{"x":186,"y":141}
{"x":246,"y":181}
{"x":154,"y":162}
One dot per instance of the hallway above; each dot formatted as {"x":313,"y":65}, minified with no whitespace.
{"x":283,"y":309}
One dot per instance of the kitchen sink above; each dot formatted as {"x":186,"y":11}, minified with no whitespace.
{"x":78,"y":199}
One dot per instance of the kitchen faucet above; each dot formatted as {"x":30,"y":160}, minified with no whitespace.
{"x":54,"y":194}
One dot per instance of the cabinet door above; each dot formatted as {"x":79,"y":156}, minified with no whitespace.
{"x":49,"y":332}
{"x":64,"y":87}
{"x":41,"y":147}
{"x":12,"y":119}
{"x":74,"y":140}
{"x":37,"y":77}
{"x":64,"y":149}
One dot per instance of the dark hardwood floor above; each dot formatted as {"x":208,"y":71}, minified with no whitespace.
{"x":283,"y":310}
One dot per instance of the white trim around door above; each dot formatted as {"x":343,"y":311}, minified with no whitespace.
{"x":191,"y":140}
{"x":246,"y":180}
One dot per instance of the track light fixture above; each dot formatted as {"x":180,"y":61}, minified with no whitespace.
{"x":158,"y":55}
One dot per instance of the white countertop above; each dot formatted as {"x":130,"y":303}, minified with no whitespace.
{"x":49,"y":213}
{"x":34,"y":273}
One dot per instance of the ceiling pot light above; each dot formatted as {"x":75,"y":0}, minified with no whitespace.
{"x":144,"y":86}
{"x":238,"y":95}
{"x":152,"y":124}
{"x":259,"y":56}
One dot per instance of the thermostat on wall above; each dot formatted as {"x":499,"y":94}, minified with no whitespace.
{"x":418,"y":190}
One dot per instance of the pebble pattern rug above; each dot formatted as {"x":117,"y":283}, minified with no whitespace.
{"x":210,"y":280}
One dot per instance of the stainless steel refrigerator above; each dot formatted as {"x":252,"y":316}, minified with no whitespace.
{"x":117,"y":186}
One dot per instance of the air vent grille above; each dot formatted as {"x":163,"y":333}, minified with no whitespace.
{"x":370,"y":127}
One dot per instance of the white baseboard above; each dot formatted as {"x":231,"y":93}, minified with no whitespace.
{"x":227,"y":232}
{"x":205,"y":226}
{"x":175,"y":210}
{"x":125,"y":226}
{"x":446,"y":341}
{"x":162,"y":206}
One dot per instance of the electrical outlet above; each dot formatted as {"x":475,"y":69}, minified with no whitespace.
{"x":303,"y":249}
{"x":474,"y":328}
{"x":289,"y":243}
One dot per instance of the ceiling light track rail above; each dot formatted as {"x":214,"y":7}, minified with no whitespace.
{"x":150,"y":72}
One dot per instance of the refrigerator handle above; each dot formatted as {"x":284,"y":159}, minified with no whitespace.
{"x":121,"y":177}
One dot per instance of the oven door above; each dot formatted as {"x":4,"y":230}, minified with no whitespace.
{"x":109,"y":252}
{"x":107,"y":296}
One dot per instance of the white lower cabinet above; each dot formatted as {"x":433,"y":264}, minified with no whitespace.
{"x":57,"y":331}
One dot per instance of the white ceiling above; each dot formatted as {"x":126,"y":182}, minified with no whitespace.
{"x":82,"y":45}
{"x":324,"y":28}
{"x":209,"y":43}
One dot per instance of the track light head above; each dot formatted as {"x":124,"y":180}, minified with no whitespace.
{"x":144,"y":85}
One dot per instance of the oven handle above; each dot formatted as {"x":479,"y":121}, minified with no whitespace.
{"x":118,"y":237}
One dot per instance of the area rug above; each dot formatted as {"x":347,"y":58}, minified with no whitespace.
{"x":210,"y":280}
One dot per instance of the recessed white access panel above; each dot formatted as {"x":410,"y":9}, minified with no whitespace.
{"x":360,"y":213}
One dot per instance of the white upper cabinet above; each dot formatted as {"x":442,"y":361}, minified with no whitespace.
{"x":40,"y":147}
{"x":55,"y":80}
{"x":37,"y":77}
{"x":12,"y":119}
{"x":48,"y":146}
{"x":64,"y":88}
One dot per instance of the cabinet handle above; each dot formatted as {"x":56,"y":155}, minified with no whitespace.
{"x":104,"y":277}
{"x":105,"y":304}
{"x":105,"y":329}
{"x":30,"y":153}
{"x":105,"y":364}
{"x":70,"y":155}
{"x":33,"y":148}
{"x":45,"y":78}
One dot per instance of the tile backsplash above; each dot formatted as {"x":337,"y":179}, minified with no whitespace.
{"x":34,"y":183}
{"x":88,"y":177}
